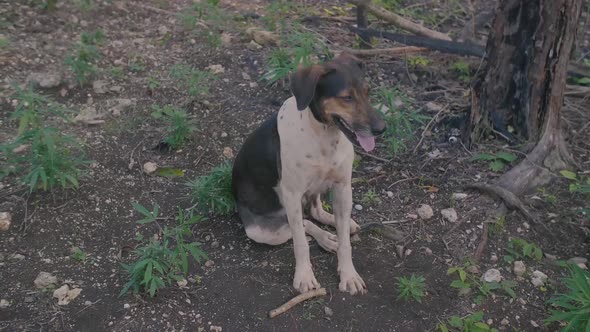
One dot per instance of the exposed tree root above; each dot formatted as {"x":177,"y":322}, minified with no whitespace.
{"x":296,"y":300}
{"x":393,"y":51}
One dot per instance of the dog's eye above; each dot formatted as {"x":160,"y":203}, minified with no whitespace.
{"x":348,"y":99}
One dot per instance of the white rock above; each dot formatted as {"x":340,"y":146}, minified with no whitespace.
{"x":149,"y":167}
{"x":389,"y":194}
{"x":99,"y":87}
{"x":223,"y":134}
{"x":44,"y":279}
{"x":5,"y":221}
{"x":228,"y":152}
{"x":18,"y":257}
{"x":425,"y":211}
{"x":126,"y":306}
{"x":459,"y":196}
{"x":504,"y":322}
{"x":214,"y":328}
{"x":494,"y":258}
{"x":449,"y":215}
{"x":45,"y":80}
{"x":492,"y":275}
{"x":4,"y":304}
{"x":182,"y":283}
{"x":534,"y":324}
{"x":65,"y":295}
{"x":538,"y":278}
{"x":358,"y":207}
{"x":328,"y":311}
{"x":519,"y":268}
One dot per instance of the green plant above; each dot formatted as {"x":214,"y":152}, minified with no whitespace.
{"x":577,"y":185}
{"x":49,"y":157}
{"x":164,"y":259}
{"x":84,"y":5}
{"x":135,"y":67}
{"x":468,"y":280}
{"x":206,"y":19}
{"x":153,"y":83}
{"x":85,"y":54}
{"x":470,"y":323}
{"x":117,"y":72}
{"x":370,"y":197}
{"x":520,"y":248}
{"x":179,"y":125}
{"x":497,"y":161}
{"x":411,"y":288}
{"x":304,"y":48}
{"x":78,"y":254}
{"x":214,"y":190}
{"x":195,"y":81}
{"x":574,"y":306}
{"x":498,"y":226}
{"x":401,"y":118}
{"x":4,"y":44}
{"x":418,"y":62}
{"x":463,"y":70}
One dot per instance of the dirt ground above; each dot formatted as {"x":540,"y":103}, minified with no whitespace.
{"x":243,"y":280}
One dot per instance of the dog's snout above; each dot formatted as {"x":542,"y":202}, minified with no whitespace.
{"x":378,"y":127}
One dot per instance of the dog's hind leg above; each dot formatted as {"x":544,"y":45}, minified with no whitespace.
{"x":318,"y":213}
{"x":325,"y":239}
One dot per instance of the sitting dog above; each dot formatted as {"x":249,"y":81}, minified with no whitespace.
{"x":300,"y":153}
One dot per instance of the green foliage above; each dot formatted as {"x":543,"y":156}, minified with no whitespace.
{"x":205,"y":19}
{"x":49,"y":158}
{"x":498,"y":226}
{"x":577,"y":185}
{"x":78,"y":254}
{"x":179,"y":126}
{"x":467,"y":280}
{"x":277,"y":13}
{"x":196,"y":82}
{"x":84,"y":5}
{"x":400,"y":116}
{"x":135,"y":67}
{"x":4,"y":44}
{"x":462,"y":69}
{"x":497,"y":162}
{"x":470,"y":323}
{"x":82,"y":61}
{"x":418,"y":62}
{"x":303,"y":48}
{"x":214,"y":191}
{"x":573,"y":307}
{"x":370,"y":197}
{"x":153,"y":83}
{"x":162,"y":260}
{"x":117,"y":72}
{"x":411,"y":288}
{"x":520,"y":248}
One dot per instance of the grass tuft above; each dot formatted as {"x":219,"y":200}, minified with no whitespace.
{"x":214,"y":191}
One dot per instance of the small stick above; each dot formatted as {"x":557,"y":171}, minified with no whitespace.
{"x":392,"y":51}
{"x":428,"y":127}
{"x":400,"y":181}
{"x":373,"y":156}
{"x":296,"y":300}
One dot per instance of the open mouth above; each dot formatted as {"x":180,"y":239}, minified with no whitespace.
{"x":366,"y":141}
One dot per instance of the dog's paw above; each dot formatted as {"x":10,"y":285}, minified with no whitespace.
{"x":354,"y":227}
{"x":304,"y":280}
{"x":351,"y":282}
{"x":328,"y":241}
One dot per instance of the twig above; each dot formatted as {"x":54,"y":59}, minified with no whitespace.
{"x":400,"y":181}
{"x":296,"y":300}
{"x":577,"y":91}
{"x":482,"y":245}
{"x":392,"y":51}
{"x":399,"y":21}
{"x":428,"y":127}
{"x":373,"y":156}
{"x":157,"y":10}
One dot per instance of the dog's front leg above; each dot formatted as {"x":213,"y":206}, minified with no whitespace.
{"x":304,"y":279}
{"x":350,"y":281}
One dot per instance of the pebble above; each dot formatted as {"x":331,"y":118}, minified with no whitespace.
{"x":492,"y":275}
{"x":99,"y":86}
{"x":5,"y":221}
{"x":4,"y":304}
{"x":209,"y":263}
{"x":45,"y":80}
{"x":494,"y":258}
{"x":328,"y":311}
{"x":245,"y":76}
{"x":459,"y":196}
{"x":538,"y":278}
{"x":149,"y":167}
{"x":215,"y":328}
{"x":449,"y":215}
{"x":358,"y":207}
{"x":428,"y":252}
{"x":214,"y":244}
{"x":223,"y":134}
{"x":425,"y":211}
{"x":126,"y":306}
{"x":504,"y":322}
{"x":87,"y":303}
{"x":389,"y":194}
{"x":228,"y":152}
{"x":519,"y":268}
{"x":534,"y":324}
{"x":44,"y":279}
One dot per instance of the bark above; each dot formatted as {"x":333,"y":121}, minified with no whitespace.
{"x":523,"y":83}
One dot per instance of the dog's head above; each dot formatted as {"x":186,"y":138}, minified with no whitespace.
{"x":336,"y":93}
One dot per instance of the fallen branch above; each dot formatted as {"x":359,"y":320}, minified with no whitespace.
{"x":399,"y":21}
{"x":393,"y":51}
{"x":511,"y":200}
{"x":296,"y":300}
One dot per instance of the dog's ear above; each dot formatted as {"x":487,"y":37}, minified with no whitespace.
{"x":303,"y":84}
{"x":349,"y":59}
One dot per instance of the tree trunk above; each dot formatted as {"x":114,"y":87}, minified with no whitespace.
{"x":520,"y":92}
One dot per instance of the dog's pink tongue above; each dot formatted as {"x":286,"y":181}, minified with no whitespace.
{"x":367,"y":142}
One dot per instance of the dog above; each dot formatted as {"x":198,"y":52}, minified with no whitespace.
{"x":298,"y":154}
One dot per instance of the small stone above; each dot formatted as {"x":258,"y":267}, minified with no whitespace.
{"x":490,"y":321}
{"x":538,"y":278}
{"x":459,"y":196}
{"x":228,"y":152}
{"x":526,"y":225}
{"x":89,"y":115}
{"x":182,"y":283}
{"x":17,"y":257}
{"x":399,"y":249}
{"x":253,"y":85}
{"x":389,"y":194}
{"x":425,"y":211}
{"x":245,"y":76}
{"x":87,"y":303}
{"x":494,"y":258}
{"x":149,"y":167}
{"x":126,"y":306}
{"x":226,"y":39}
{"x":99,"y":87}
{"x":433,"y":107}
{"x":162,"y":29}
{"x":4,"y":304}
{"x":328,"y":311}
{"x":5,"y":221}
{"x":408,"y":252}
{"x":519,"y":268}
{"x":550,"y":256}
{"x":44,"y":80}
{"x":358,"y":207}
{"x":44,"y":280}
{"x":29,"y":299}
{"x":216,"y":69}
{"x":428,"y":252}
{"x":573,"y":260}
{"x":214,"y":244}
{"x":65,"y":295}
{"x":449,"y":215}
{"x":223,"y":134}
{"x":207,"y":238}
{"x":412,"y":216}
{"x":214,"y":328}
{"x":262,"y":37}
{"x":534,"y":324}
{"x":21,"y":148}
{"x":492,"y":275}
{"x":504,"y":322}
{"x":209,"y":263}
